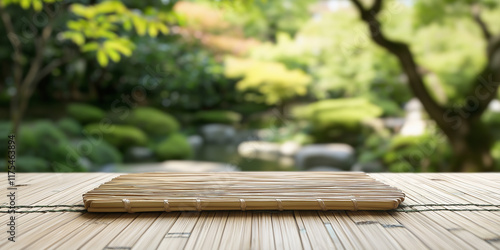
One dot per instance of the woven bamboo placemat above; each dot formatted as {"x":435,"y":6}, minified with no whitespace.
{"x":148,"y":192}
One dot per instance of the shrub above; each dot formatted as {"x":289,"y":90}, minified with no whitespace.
{"x":218,"y":116}
{"x":425,"y":153}
{"x":103,"y":153}
{"x":5,"y":129}
{"x":492,"y":121}
{"x":42,"y":139}
{"x":495,"y":152}
{"x":175,"y":146}
{"x":70,"y":127}
{"x":338,"y":120}
{"x":154,"y":122}
{"x":85,"y":113}
{"x":120,"y":136}
{"x":29,"y":164}
{"x":249,"y":108}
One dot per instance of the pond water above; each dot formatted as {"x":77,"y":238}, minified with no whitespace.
{"x":229,"y":154}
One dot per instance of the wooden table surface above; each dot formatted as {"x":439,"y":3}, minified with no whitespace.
{"x":441,"y":211}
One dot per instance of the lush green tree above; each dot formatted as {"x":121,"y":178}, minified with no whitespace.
{"x":470,"y":140}
{"x":267,"y":82}
{"x":100,"y":29}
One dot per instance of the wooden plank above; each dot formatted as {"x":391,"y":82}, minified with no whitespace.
{"x":156,"y":232}
{"x":428,"y":193}
{"x":262,"y":228}
{"x":179,"y":233}
{"x":236,"y":233}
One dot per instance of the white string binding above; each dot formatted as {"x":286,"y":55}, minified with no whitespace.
{"x":126,"y":204}
{"x":322,"y":204}
{"x":355,"y":203}
{"x":198,"y":204}
{"x":243,"y":205}
{"x":280,"y":205}
{"x":166,"y":206}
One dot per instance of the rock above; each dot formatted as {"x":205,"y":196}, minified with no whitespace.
{"x":413,"y":128}
{"x":289,"y":148}
{"x":195,"y":141}
{"x":333,"y":155}
{"x":494,"y":106}
{"x":85,"y":163}
{"x":324,"y":169}
{"x":218,"y":133}
{"x":394,"y":122}
{"x":139,"y":153}
{"x":254,"y":148}
{"x":413,"y":105}
{"x":368,"y":167}
{"x":176,"y":166}
{"x":414,"y":124}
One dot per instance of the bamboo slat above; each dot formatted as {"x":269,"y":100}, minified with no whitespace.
{"x":440,"y":211}
{"x":168,"y":192}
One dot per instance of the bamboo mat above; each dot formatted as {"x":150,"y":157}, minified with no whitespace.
{"x":153,"y":192}
{"x":440,"y":211}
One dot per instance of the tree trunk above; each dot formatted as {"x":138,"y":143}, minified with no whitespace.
{"x":472,"y":148}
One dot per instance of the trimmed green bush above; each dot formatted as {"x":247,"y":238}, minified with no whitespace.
{"x":175,"y":146}
{"x":425,"y":153}
{"x":42,"y":139}
{"x":154,"y":122}
{"x":338,"y":120}
{"x":70,"y":127}
{"x":85,"y":113}
{"x":29,"y":164}
{"x":120,"y":136}
{"x":218,"y":116}
{"x":103,"y":153}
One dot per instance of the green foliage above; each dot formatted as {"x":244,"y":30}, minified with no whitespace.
{"x":5,"y":130}
{"x":263,"y":19}
{"x":70,"y":127}
{"x":428,"y":11}
{"x":492,"y":122}
{"x":44,"y":140}
{"x":154,"y":122}
{"x":338,"y":120}
{"x":37,"y":5}
{"x":29,"y":164}
{"x":249,"y":108}
{"x":495,"y":153}
{"x":97,"y":28}
{"x":85,"y":113}
{"x":218,"y":116}
{"x":120,"y":136}
{"x":267,"y":82}
{"x":425,"y":153}
{"x":32,"y":164}
{"x":103,"y":153}
{"x":175,"y":146}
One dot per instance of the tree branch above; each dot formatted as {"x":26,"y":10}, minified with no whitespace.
{"x":376,"y":8}
{"x":407,"y":62}
{"x":29,"y":83}
{"x":16,"y":45}
{"x":488,"y":79}
{"x":45,"y":71}
{"x":476,"y":13}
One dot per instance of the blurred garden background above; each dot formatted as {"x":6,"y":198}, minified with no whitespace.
{"x":248,"y":85}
